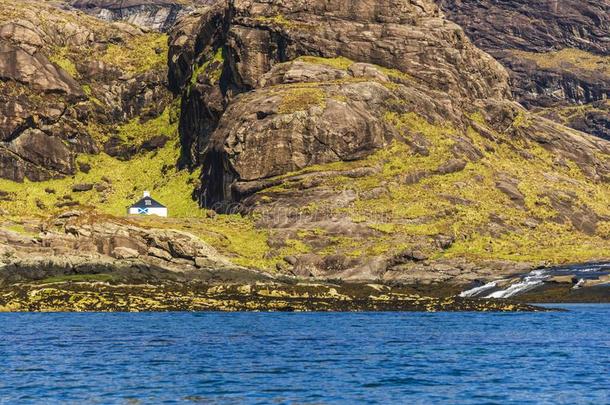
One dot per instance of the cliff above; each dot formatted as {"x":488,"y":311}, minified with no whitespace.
{"x":378,"y":136}
{"x":357,"y":141}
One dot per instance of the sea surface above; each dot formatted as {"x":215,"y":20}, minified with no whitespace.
{"x":307,"y":358}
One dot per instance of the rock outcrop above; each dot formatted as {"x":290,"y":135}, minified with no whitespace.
{"x":66,"y":80}
{"x":234,"y":51}
{"x":76,"y":243}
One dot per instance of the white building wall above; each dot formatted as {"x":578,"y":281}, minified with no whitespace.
{"x":162,"y":212}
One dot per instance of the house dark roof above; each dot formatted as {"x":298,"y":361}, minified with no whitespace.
{"x":151,"y":203}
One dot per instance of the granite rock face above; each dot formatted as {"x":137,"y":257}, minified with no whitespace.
{"x":403,"y":49}
{"x":336,"y":122}
{"x":281,"y":86}
{"x":367,"y":140}
{"x":536,"y":27}
{"x":556,"y":51}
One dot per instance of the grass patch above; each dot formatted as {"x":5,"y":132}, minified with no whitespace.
{"x":136,"y":131}
{"x":340,"y":63}
{"x":301,"y":99}
{"x":61,"y":59}
{"x":20,"y":229}
{"x":154,"y":171}
{"x":140,"y":54}
{"x":279,"y":20}
{"x":570,"y":59}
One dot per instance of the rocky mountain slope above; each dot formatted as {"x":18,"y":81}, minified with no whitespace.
{"x":381,"y":137}
{"x":366,"y":140}
{"x":158,"y":15}
{"x":558,"y":54}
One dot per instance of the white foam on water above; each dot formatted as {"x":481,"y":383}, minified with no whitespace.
{"x":529,"y":282}
{"x":477,"y":290}
{"x":535,"y":279}
{"x":515,"y":289}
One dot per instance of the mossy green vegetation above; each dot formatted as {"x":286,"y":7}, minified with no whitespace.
{"x":467,"y":204}
{"x":279,"y":21}
{"x":142,"y":53}
{"x":212,"y":68}
{"x":118,"y":183}
{"x":61,"y":59}
{"x":340,"y":63}
{"x":18,"y":228}
{"x":570,"y":59}
{"x":135,"y":131}
{"x":301,"y":98}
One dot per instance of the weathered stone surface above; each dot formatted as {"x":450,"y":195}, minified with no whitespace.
{"x":253,"y":41}
{"x":160,"y":253}
{"x":452,"y":166}
{"x":260,"y":138}
{"x":124,"y":253}
{"x":538,"y":27}
{"x":154,"y":14}
{"x":41,"y":153}
{"x":570,"y":279}
{"x":557,"y":52}
{"x":85,"y":243}
{"x":510,"y":188}
{"x":35,"y":70}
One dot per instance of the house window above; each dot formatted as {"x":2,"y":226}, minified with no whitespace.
{"x":148,"y":202}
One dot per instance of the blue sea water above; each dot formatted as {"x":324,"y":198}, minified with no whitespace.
{"x":311,"y":358}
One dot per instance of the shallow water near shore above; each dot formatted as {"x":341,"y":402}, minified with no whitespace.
{"x":551,"y":357}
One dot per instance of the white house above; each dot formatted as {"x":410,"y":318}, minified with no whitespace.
{"x":148,"y":206}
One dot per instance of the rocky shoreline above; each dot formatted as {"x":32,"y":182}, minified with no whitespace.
{"x":82,"y":262}
{"x":73,"y":296}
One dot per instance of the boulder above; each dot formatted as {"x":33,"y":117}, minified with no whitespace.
{"x":34,"y":153}
{"x":125,"y":253}
{"x":510,"y":188}
{"x":79,"y":188}
{"x":159,"y":253}
{"x":569,"y":279}
{"x":452,"y":166}
{"x":36,"y":71}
